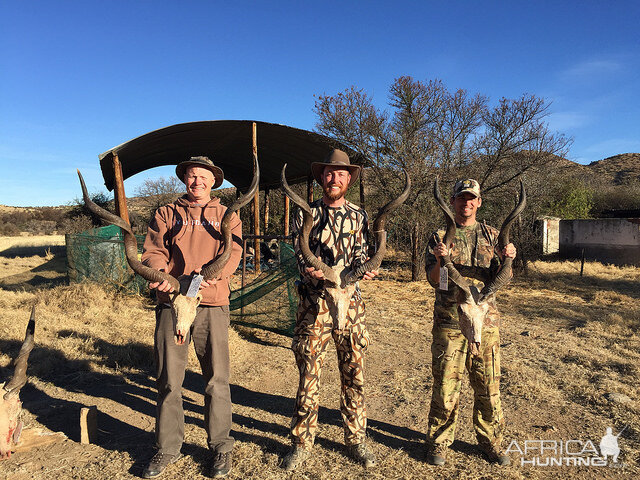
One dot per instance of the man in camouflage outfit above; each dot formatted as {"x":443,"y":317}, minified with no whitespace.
{"x":338,"y":237}
{"x":474,"y":255}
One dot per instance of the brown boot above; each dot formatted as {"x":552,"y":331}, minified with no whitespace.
{"x":295,"y":457}
{"x":494,"y":454}
{"x":362,"y":454}
{"x":158,"y":463}
{"x":221,"y":465}
{"x":437,"y":454}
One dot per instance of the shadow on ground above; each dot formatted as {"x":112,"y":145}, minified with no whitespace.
{"x":136,"y":390}
{"x":30,"y":251}
{"x":49,"y":274}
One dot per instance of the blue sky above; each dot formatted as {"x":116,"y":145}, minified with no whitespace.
{"x":77,"y":78}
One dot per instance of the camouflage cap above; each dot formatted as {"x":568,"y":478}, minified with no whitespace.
{"x":468,"y":185}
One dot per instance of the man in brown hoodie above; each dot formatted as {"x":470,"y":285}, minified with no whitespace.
{"x":182,"y":237}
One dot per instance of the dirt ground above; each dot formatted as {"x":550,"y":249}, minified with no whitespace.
{"x":567,"y":343}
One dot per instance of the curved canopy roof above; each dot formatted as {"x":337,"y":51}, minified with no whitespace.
{"x":229,"y":144}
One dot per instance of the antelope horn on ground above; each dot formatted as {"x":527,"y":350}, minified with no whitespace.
{"x":449,"y":236}
{"x":213,"y":269}
{"x":19,"y":378}
{"x":505,"y":273}
{"x":381,"y":235}
{"x":307,"y":223}
{"x":130,"y":243}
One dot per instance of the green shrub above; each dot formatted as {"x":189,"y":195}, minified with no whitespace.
{"x":572,"y":200}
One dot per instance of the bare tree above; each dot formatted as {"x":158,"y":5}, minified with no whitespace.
{"x":157,"y":192}
{"x":515,"y":140}
{"x":428,"y":131}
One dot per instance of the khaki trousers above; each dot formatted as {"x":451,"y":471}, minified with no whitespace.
{"x":450,"y":359}
{"x":211,"y":341}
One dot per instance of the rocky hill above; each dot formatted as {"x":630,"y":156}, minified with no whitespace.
{"x":619,"y":169}
{"x":613,"y":171}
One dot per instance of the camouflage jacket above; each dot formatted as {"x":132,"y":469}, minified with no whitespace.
{"x":339,"y":237}
{"x":474,"y":257}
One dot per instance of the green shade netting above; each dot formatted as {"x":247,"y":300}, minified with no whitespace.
{"x":270,"y":301}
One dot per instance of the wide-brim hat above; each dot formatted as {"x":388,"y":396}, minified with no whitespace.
{"x":202,"y":162}
{"x":335,"y":158}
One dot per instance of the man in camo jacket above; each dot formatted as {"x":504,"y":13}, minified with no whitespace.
{"x":338,"y":237}
{"x":475,"y":257}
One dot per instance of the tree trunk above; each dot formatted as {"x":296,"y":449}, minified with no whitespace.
{"x":522,"y":249}
{"x":417,"y":257}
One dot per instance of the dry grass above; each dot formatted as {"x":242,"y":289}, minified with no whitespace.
{"x":29,"y":245}
{"x":95,"y":348}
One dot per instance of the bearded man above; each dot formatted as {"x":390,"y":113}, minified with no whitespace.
{"x":338,"y":237}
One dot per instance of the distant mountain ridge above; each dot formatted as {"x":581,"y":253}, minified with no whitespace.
{"x":619,"y":169}
{"x":616,"y":170}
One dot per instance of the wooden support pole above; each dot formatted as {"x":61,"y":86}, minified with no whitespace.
{"x":310,"y":189}
{"x":120,"y":199}
{"x":286,"y":216}
{"x":362,"y":202}
{"x":256,"y":209}
{"x":266,"y":210}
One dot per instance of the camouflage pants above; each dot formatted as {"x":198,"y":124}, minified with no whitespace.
{"x":313,"y":331}
{"x":450,"y":357}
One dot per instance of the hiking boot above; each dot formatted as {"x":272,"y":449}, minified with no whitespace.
{"x":296,"y":456}
{"x":158,"y":463}
{"x":221,"y":465}
{"x":437,"y":454}
{"x":361,"y":454}
{"x":495,"y":455}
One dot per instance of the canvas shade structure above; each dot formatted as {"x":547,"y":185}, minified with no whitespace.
{"x":228,"y":143}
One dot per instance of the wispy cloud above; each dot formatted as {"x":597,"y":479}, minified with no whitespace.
{"x":568,"y":120}
{"x":592,"y":68}
{"x":612,"y":147}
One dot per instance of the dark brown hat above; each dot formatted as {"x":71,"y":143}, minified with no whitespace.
{"x":335,"y":158}
{"x":203,"y":162}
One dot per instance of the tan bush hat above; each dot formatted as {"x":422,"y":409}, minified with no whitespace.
{"x":468,"y":185}
{"x":335,"y":158}
{"x":203,"y":162}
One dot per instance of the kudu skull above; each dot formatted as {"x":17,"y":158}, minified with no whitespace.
{"x":183,"y":307}
{"x":472,"y":304}
{"x":10,"y":405}
{"x":340,"y":281}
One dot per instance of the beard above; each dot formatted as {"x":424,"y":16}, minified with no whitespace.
{"x":334,"y":195}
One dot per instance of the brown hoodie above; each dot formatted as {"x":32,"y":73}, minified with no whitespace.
{"x":182,"y":237}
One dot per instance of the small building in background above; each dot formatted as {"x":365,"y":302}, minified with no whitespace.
{"x":548,"y":228}
{"x":608,"y":240}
